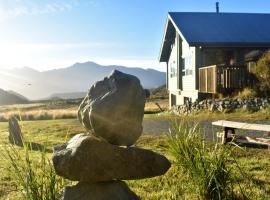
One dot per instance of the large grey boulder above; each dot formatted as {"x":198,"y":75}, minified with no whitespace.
{"x":113,"y":109}
{"x":114,"y":190}
{"x":15,"y":133}
{"x":91,"y":159}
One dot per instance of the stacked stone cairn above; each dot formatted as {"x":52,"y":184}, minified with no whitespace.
{"x":112,"y":113}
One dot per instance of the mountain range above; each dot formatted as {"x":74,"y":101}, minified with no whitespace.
{"x":75,"y":79}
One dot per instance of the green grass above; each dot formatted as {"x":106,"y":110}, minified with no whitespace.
{"x":239,"y":114}
{"x":33,"y":175}
{"x":173,"y":185}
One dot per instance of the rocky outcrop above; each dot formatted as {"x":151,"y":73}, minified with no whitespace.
{"x":222,"y":105}
{"x":112,"y":113}
{"x":113,"y":109}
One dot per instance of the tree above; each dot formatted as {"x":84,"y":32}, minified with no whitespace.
{"x":262,"y":73}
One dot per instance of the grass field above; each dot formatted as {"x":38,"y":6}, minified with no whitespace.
{"x":59,"y":110}
{"x":174,"y":185}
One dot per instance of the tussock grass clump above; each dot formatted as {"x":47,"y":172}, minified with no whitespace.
{"x":207,"y":167}
{"x":32,"y":173}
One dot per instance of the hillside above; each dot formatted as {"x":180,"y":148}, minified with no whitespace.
{"x":70,"y":95}
{"x":11,"y":97}
{"x":159,"y":93}
{"x":76,"y":78}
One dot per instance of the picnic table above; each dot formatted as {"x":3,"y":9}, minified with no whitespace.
{"x":229,"y":128}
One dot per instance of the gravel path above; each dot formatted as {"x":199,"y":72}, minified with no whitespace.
{"x":156,"y":126}
{"x":160,"y":126}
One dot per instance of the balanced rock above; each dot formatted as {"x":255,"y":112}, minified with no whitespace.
{"x":15,"y":134}
{"x":113,"y":109}
{"x":114,"y":190}
{"x":91,"y":159}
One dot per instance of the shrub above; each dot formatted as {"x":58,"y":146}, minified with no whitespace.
{"x":206,"y":166}
{"x":262,"y":73}
{"x":246,"y":93}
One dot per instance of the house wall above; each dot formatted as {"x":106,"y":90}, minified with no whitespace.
{"x":177,"y":71}
{"x":183,"y":80}
{"x":173,"y":73}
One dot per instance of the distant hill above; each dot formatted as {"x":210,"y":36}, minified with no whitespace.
{"x":11,"y":97}
{"x":159,"y":93}
{"x":74,"y":79}
{"x":71,"y":95}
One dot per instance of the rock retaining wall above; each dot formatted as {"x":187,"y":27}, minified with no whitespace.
{"x":222,"y":105}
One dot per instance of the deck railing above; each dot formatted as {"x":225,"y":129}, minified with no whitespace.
{"x":222,"y":78}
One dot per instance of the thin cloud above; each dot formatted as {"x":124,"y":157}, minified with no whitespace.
{"x":57,"y":46}
{"x":16,"y":8}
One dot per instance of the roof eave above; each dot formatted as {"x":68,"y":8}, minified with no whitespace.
{"x":169,"y":19}
{"x":231,"y":44}
{"x":161,"y":59}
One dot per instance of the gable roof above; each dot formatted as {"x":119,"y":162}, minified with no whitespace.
{"x":221,"y":29}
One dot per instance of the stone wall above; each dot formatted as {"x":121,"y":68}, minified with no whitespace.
{"x":222,"y":105}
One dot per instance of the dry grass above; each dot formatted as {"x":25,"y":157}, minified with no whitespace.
{"x":40,"y":114}
{"x":151,"y":106}
{"x":39,"y":111}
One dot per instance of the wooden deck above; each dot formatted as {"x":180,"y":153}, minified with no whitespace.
{"x":222,"y":78}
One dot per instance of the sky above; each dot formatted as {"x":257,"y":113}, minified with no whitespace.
{"x":48,"y":34}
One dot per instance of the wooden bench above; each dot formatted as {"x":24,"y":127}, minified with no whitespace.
{"x":230,"y":127}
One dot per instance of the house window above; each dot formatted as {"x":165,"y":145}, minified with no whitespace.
{"x":173,"y":100}
{"x":173,"y":69}
{"x":187,"y":66}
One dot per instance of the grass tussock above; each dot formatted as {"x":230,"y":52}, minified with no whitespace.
{"x":31,"y":171}
{"x":33,"y":175}
{"x":212,"y":171}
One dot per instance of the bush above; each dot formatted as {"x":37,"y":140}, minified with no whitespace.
{"x":262,"y":73}
{"x":208,"y":167}
{"x":246,"y":93}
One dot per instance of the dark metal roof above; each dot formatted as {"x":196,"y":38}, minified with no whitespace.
{"x":221,"y":29}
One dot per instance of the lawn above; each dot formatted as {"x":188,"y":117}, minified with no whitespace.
{"x":173,"y":185}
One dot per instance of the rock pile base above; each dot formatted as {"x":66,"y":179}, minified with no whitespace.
{"x":113,"y":190}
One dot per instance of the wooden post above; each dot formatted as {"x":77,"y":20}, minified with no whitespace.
{"x":228,"y":130}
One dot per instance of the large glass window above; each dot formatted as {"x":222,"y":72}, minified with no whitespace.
{"x":187,"y":65}
{"x":173,"y":69}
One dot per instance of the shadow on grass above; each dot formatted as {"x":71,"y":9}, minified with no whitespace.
{"x":152,"y":112}
{"x":253,"y":145}
{"x":37,"y":147}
